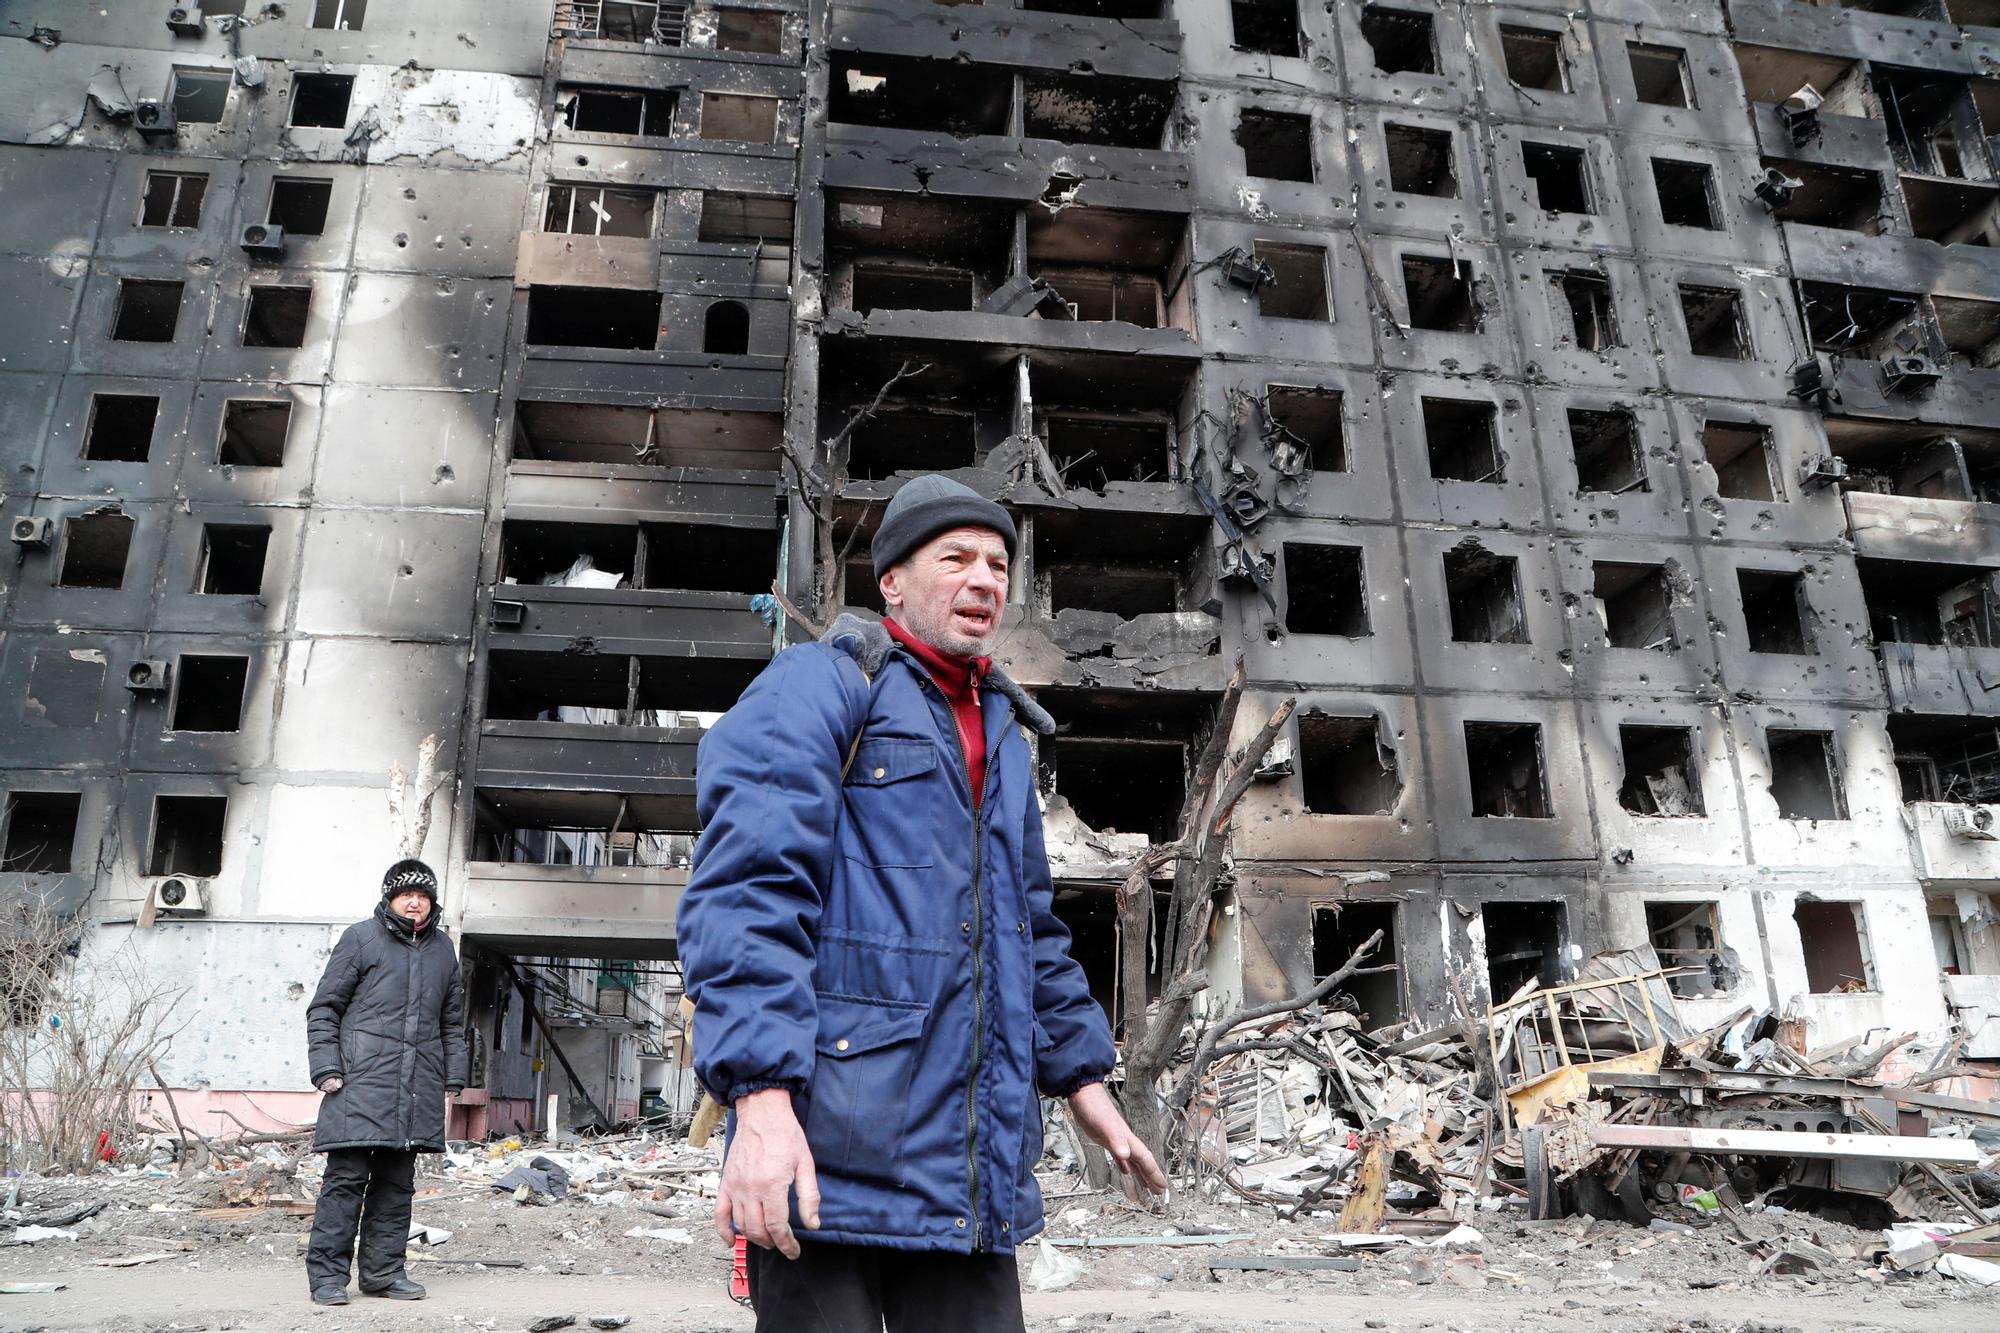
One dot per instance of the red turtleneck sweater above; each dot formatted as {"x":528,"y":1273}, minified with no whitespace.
{"x":959,"y":678}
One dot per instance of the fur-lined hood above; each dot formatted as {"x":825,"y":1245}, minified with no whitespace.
{"x":865,"y":640}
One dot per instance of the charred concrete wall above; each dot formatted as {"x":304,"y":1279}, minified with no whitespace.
{"x":1594,"y":437}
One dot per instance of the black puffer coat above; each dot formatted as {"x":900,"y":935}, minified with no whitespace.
{"x":387,"y":1020}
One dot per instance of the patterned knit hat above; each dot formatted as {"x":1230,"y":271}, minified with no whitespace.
{"x":407,"y":875}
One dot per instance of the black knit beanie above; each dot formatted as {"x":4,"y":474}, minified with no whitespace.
{"x":928,"y":506}
{"x":412,"y":874}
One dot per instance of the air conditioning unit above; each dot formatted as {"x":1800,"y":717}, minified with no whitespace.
{"x":155,"y":120}
{"x":1909,"y":372}
{"x":1813,"y":380}
{"x":176,"y":894}
{"x":146,"y":677}
{"x":1776,"y":188}
{"x":1975,"y":822}
{"x":1819,"y":473}
{"x":186,"y":21}
{"x":32,"y":531}
{"x":262,"y":238}
{"x":1800,"y":112}
{"x":1244,"y":270}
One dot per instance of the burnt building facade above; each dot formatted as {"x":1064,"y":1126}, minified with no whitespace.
{"x":1586,"y":414}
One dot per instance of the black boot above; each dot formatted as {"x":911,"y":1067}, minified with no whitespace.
{"x":402,"y":1289}
{"x":329,"y":1295}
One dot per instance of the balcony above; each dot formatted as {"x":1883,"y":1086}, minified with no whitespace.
{"x":592,"y":911}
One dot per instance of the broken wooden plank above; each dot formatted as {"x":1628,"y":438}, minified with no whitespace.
{"x":130,"y":1261}
{"x":1785,"y":1143}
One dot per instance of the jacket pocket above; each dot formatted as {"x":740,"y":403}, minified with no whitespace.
{"x":859,"y":1093}
{"x":884,"y":826}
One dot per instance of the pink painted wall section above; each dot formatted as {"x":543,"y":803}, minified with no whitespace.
{"x":227,"y":1114}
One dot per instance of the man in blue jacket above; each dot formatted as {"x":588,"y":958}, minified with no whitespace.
{"x":882,"y":989}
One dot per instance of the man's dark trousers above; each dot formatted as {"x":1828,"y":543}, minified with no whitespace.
{"x":861,"y":1289}
{"x":368,"y":1190}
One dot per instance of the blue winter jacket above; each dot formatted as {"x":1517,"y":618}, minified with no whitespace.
{"x":873,"y":946}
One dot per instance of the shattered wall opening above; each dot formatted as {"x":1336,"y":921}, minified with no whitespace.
{"x":1932,"y":120}
{"x":1347,"y":766}
{"x":1686,"y":191}
{"x":1660,"y":74}
{"x":1776,"y":613}
{"x":187,"y":835}
{"x":1483,"y":592}
{"x":121,"y":427}
{"x":1093,"y":108}
{"x":1970,"y":329}
{"x":199,"y":97}
{"x":593,"y":317}
{"x":911,"y":439}
{"x":1921,"y":601}
{"x":1662,"y":776}
{"x":1267,"y":26}
{"x":1504,"y":762}
{"x":1110,"y":265}
{"x":1090,"y":911}
{"x":299,"y":205}
{"x":208,"y":692}
{"x":94,"y":550}
{"x":148,"y":311}
{"x":1091,"y":452}
{"x":1420,"y":160}
{"x":1402,"y":40}
{"x":1844,"y":198}
{"x":1635,"y":604}
{"x":1143,"y":565}
{"x":1949,"y":759}
{"x":1860,"y":321}
{"x":1584,"y":317}
{"x":232,"y":559}
{"x":1524,"y":945}
{"x":253,"y":433}
{"x":1605,"y":445}
{"x":276,"y":316}
{"x":321,"y":100}
{"x":602,"y":433}
{"x":1534,"y":58}
{"x":1440,"y":293}
{"x":633,"y":112}
{"x":1461,"y":437}
{"x":1689,"y":935}
{"x":707,"y":557}
{"x":959,"y":98}
{"x":1325,"y":590}
{"x":1120,"y":758}
{"x":1561,"y":176}
{"x":1834,"y":939}
{"x":1338,"y":929}
{"x":1276,"y":145}
{"x":1740,"y":452}
{"x":1715,"y":323}
{"x":1805,"y":774}
{"x":1310,"y":418}
{"x":1298,"y":286}
{"x":40,"y":835}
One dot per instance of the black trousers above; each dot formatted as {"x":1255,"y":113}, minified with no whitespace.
{"x":861,"y":1289}
{"x":365,"y":1191}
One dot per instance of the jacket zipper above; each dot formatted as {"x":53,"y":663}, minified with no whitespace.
{"x":978,"y":952}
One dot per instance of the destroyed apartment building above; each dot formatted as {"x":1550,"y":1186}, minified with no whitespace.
{"x":1586,"y":414}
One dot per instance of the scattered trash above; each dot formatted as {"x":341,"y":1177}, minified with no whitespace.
{"x":676,"y":1235}
{"x":1053,"y":1270}
{"x":31,"y":1288}
{"x":35,"y":1235}
{"x":548,"y":1323}
{"x":425,"y":1235}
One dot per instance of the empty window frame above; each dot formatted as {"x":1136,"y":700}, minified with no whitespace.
{"x":65,"y":686}
{"x":1420,"y":160}
{"x":1402,"y":40}
{"x":1441,"y":294}
{"x":1746,"y":467}
{"x":656,"y":22}
{"x":1561,"y":176}
{"x":589,"y":210}
{"x":1833,"y":937}
{"x":1127,"y":298}
{"x":1686,"y":193}
{"x":1660,"y":74}
{"x":94,"y":550}
{"x":1661,"y":776}
{"x":1375,"y":987}
{"x":1307,"y":420}
{"x":1483,"y":593}
{"x":1805,"y":774}
{"x":148,"y":310}
{"x":1535,"y":58}
{"x":912,"y":287}
{"x":739,"y":119}
{"x":1093,"y":452}
{"x":1635,"y":603}
{"x":173,"y":199}
{"x":1462,"y":438}
{"x":121,"y":427}
{"x":276,"y":316}
{"x":750,"y":31}
{"x":637,"y":113}
{"x":41,"y":832}
{"x":1503,"y":761}
{"x":199,"y":96}
{"x":1776,"y":615}
{"x":1298,"y":288}
{"x":1346,"y":767}
{"x":1580,"y":302}
{"x":340,"y":15}
{"x":319,"y":101}
{"x":299,"y":205}
{"x":232,"y":560}
{"x":1844,"y":198}
{"x":1715,"y":323}
{"x":1277,"y":145}
{"x":208,"y":692}
{"x":1689,"y":935}
{"x":593,"y":317}
{"x":746,"y":218}
{"x":1524,"y":945}
{"x":902,"y":439}
{"x":725,"y":329}
{"x":1270,"y":27}
{"x":1326,"y":591}
{"x":1605,"y":446}
{"x":253,"y":433}
{"x":187,"y":835}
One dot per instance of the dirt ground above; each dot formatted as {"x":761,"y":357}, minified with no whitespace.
{"x":242,"y":1269}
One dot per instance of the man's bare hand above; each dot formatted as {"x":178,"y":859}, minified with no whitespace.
{"x":767,"y":1159}
{"x":1093,"y":1112}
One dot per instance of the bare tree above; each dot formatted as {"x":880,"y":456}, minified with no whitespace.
{"x":77,"y":1041}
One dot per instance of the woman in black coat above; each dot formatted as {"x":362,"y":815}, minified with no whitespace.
{"x":386,"y":1045}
